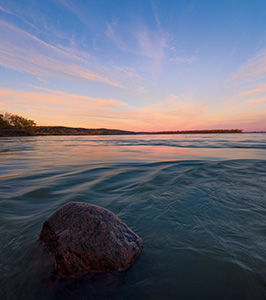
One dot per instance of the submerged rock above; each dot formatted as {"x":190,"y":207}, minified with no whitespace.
{"x":83,"y":237}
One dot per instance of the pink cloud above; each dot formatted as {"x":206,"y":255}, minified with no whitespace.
{"x":256,"y":100}
{"x":46,"y":105}
{"x":22,"y":51}
{"x":259,"y":90}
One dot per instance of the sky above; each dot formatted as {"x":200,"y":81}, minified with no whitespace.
{"x":142,"y":65}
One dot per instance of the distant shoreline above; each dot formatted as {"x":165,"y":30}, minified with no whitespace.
{"x":61,"y":130}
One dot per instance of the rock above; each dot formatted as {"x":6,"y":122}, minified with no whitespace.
{"x":83,"y":237}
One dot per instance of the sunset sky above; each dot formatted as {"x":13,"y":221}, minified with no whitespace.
{"x":135,"y":64}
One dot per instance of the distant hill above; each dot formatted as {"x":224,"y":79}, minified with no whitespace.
{"x":61,"y":130}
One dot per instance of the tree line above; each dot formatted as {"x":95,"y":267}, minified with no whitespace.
{"x":196,"y":131}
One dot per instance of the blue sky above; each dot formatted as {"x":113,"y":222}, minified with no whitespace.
{"x":136,"y":65}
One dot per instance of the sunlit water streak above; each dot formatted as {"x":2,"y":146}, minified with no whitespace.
{"x":197,"y":201}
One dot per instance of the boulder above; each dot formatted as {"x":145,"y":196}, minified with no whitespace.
{"x":83,"y":237}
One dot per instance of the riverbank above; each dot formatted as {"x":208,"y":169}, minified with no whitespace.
{"x":13,"y":132}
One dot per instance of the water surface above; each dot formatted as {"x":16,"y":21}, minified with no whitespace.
{"x":197,"y":201}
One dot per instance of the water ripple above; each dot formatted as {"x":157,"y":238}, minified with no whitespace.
{"x":201,"y":220}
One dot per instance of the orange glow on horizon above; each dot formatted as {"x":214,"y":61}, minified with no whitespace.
{"x":58,"y":108}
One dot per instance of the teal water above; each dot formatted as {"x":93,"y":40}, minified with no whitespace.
{"x":197,"y":201}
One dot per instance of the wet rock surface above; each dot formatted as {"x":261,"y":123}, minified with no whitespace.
{"x":82,"y":237}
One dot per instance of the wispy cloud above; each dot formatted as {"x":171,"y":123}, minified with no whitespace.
{"x":256,"y":100}
{"x":155,"y":13}
{"x":253,"y":95}
{"x":258,"y":90}
{"x":76,"y":97}
{"x":151,"y":44}
{"x":22,"y":51}
{"x":248,"y":81}
{"x":155,"y":46}
{"x":253,"y":69}
{"x":7,"y":11}
{"x":49,"y":107}
{"x":76,"y":11}
{"x":179,"y":60}
{"x":142,"y":42}
{"x":181,"y":106}
{"x":114,"y":36}
{"x":53,"y":107}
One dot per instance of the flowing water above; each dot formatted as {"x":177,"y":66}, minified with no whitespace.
{"x":197,"y":201}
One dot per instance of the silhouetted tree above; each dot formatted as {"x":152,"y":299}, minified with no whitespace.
{"x":8,"y":120}
{"x":3,"y":121}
